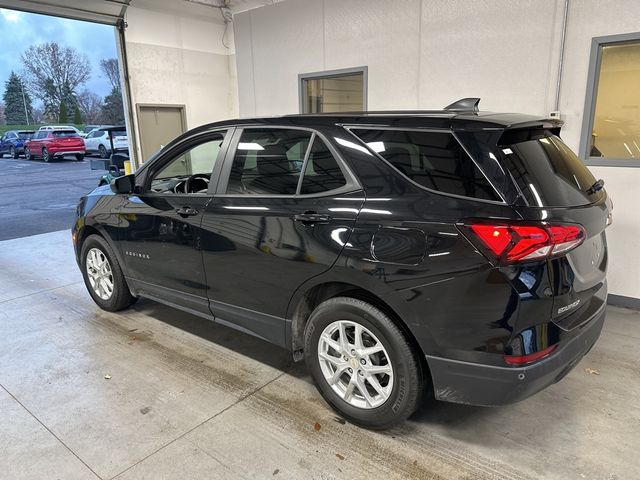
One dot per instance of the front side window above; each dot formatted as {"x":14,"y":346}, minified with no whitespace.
{"x":190,"y":172}
{"x":434,"y":160}
{"x":615,"y":125}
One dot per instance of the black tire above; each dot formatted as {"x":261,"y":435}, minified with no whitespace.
{"x":103,"y":151}
{"x":13,"y":153}
{"x":45,"y":155}
{"x":121,"y":297}
{"x":27,"y":154}
{"x":79,"y":157}
{"x":408,"y":378}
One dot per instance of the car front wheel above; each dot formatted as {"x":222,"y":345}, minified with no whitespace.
{"x":103,"y":275}
{"x":362,"y":363}
{"x":27,"y":154}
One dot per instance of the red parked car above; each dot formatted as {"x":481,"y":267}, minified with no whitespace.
{"x":49,"y":144}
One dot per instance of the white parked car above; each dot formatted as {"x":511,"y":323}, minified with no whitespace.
{"x":105,"y":140}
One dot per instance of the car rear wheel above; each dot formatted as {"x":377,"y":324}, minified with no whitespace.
{"x":79,"y":157}
{"x":103,"y":276}
{"x":27,"y":154}
{"x":362,"y":363}
{"x":45,"y":155}
{"x":102,"y":151}
{"x":13,"y":152}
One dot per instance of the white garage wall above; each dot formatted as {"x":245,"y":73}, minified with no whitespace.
{"x":176,"y":56}
{"x":425,"y":54}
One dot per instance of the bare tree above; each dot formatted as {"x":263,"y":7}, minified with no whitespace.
{"x":109,"y":67}
{"x":90,"y":105}
{"x":54,"y":73}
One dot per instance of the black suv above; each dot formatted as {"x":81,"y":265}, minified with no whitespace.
{"x":456,"y":252}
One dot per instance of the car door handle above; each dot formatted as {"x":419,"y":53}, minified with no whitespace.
{"x":186,"y":211}
{"x":311,"y":218}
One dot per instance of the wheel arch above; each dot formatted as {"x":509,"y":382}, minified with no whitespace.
{"x":95,"y":229}
{"x":305,"y":300}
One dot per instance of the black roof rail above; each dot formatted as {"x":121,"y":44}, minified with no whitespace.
{"x":464,"y":105}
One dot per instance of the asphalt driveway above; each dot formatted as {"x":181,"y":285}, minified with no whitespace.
{"x":38,"y":197}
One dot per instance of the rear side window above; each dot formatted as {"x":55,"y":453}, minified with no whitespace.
{"x":434,"y":160}
{"x":322,"y":172}
{"x":546,"y":171}
{"x":268,"y":161}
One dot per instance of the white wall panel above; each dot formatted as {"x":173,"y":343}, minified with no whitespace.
{"x":502,"y":51}
{"x":286,"y":40}
{"x":382,"y":35}
{"x":588,"y":19}
{"x":425,"y":54}
{"x":177,"y":57}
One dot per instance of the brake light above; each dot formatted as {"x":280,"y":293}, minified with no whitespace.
{"x":532,"y":357}
{"x":516,"y":242}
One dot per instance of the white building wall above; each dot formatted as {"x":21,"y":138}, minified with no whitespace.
{"x":176,"y":55}
{"x":425,"y":54}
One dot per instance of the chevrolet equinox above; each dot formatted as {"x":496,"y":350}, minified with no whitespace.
{"x":453,"y":253}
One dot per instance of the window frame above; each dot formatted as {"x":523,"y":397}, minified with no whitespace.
{"x":351,"y":184}
{"x":589,"y":110}
{"x":350,"y":127}
{"x":302,"y":87}
{"x":180,"y":148}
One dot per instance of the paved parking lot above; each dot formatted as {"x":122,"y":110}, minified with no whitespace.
{"x":152,"y":392}
{"x":38,"y":197}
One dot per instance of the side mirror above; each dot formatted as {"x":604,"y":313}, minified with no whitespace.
{"x":124,"y":184}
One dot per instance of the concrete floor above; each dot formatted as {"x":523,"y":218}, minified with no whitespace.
{"x":190,"y":399}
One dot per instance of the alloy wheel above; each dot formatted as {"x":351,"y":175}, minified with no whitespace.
{"x":355,"y":364}
{"x":13,"y":153}
{"x":45,"y":155}
{"x":99,"y":272}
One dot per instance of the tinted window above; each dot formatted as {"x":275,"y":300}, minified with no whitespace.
{"x":546,"y":171}
{"x":197,"y":160}
{"x":64,"y":133}
{"x":25,"y":136}
{"x":432,"y":159}
{"x":322,"y":172}
{"x":268,"y":161}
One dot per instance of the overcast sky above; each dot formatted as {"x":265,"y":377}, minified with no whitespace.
{"x":20,"y":30}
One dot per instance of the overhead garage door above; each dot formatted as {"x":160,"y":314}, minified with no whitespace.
{"x":101,"y":11}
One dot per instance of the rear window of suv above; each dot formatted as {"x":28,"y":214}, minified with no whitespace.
{"x":434,"y":160}
{"x":546,"y":171}
{"x":64,"y":133}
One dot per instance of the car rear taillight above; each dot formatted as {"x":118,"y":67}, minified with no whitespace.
{"x":532,"y":357}
{"x":511,"y":242}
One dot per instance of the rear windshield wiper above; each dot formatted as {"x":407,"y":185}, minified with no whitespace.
{"x":596,"y":187}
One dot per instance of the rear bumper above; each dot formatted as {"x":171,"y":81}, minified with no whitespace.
{"x":56,"y":152}
{"x":488,"y":385}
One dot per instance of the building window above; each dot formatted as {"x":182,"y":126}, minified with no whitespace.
{"x":334,"y":91}
{"x":611,"y":131}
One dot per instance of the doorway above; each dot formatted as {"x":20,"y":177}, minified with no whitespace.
{"x":158,"y":125}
